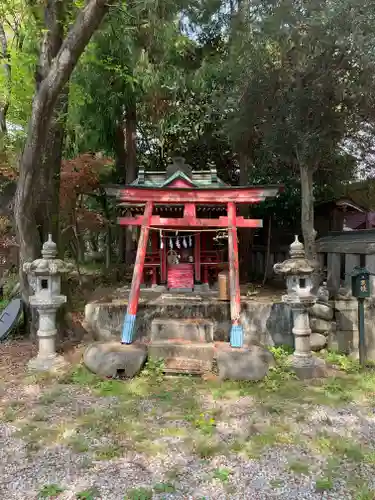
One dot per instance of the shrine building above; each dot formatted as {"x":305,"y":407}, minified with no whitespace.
{"x":188,"y":224}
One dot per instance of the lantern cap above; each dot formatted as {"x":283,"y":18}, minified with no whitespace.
{"x":49,"y":249}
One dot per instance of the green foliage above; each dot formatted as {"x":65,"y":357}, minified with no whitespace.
{"x":323,"y":484}
{"x":50,"y":491}
{"x":342,"y":362}
{"x":206,"y":423}
{"x":164,"y":488}
{"x":154,"y":370}
{"x":139,"y":494}
{"x":89,"y":494}
{"x":222,"y":474}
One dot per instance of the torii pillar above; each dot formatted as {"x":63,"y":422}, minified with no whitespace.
{"x":236,"y":332}
{"x":131,"y":313}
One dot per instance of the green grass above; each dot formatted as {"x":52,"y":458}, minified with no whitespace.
{"x":340,"y":447}
{"x":139,"y":494}
{"x":50,"y":491}
{"x":298,"y":466}
{"x":324,"y":484}
{"x":152,"y":407}
{"x":89,"y":494}
{"x":222,"y":474}
{"x":164,"y":488}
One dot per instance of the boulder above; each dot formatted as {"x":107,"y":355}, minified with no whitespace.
{"x":250,"y":363}
{"x":322,"y":311}
{"x":318,"y":341}
{"x":108,"y":359}
{"x":319,"y":325}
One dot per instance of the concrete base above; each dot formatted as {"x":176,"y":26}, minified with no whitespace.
{"x":264,"y":323}
{"x":203,"y":288}
{"x":159,"y":288}
{"x":190,"y":329}
{"x":307,"y":368}
{"x":111,"y":359}
{"x":50,"y":364}
{"x":252,"y":363}
{"x":194,"y":357}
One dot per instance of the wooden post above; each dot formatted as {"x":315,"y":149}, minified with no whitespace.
{"x":131,"y":313}
{"x":197,"y":257}
{"x":154,"y":242}
{"x":236,"y":332}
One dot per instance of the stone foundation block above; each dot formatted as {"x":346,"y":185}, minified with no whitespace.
{"x":318,"y":341}
{"x":252,"y":363}
{"x":307,"y":368}
{"x":323,"y":326}
{"x":108,"y":359}
{"x":194,"y":358}
{"x":51,"y":364}
{"x":322,"y":311}
{"x":193,"y":330}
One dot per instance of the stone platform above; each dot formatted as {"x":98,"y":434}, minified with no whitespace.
{"x":112,"y":359}
{"x":266,"y":321}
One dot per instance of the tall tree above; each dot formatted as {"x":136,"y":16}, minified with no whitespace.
{"x":60,"y":67}
{"x":307,"y":88}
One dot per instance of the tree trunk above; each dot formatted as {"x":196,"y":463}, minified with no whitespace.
{"x":5,"y":58}
{"x":120,"y":152}
{"x":48,"y":210}
{"x":131,"y":165}
{"x":245,"y":235}
{"x":307,"y":211}
{"x":49,"y":88}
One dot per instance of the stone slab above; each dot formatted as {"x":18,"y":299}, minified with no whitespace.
{"x":194,"y":358}
{"x":252,"y":363}
{"x":190,"y":329}
{"x":110,"y":359}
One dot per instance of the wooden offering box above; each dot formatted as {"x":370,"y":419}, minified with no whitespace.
{"x":181,"y":276}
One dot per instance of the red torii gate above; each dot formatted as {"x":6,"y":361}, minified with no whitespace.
{"x":190,"y":198}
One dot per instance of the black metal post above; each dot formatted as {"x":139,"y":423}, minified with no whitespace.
{"x":361,"y":331}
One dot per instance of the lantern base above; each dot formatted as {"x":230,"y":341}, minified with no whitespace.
{"x":47,"y":364}
{"x":306,"y":367}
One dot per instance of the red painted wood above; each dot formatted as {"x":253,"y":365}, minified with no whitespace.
{"x":205,"y":274}
{"x":180,"y":183}
{"x":203,"y":242}
{"x":184,"y":222}
{"x":189,"y":210}
{"x":234,"y":277}
{"x":175,"y":195}
{"x":154,"y":241}
{"x":154,"y":276}
{"x":197,"y":256}
{"x":139,"y":261}
{"x":180,"y":276}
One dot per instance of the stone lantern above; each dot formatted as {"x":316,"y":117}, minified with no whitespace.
{"x":298,"y":272}
{"x":45,"y":278}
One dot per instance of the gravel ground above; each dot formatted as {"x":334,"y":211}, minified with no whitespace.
{"x":288,"y":468}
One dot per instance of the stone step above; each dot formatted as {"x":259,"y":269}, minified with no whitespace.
{"x":183,"y":357}
{"x":188,"y":329}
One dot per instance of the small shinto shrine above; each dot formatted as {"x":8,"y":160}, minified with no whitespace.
{"x":185,"y":216}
